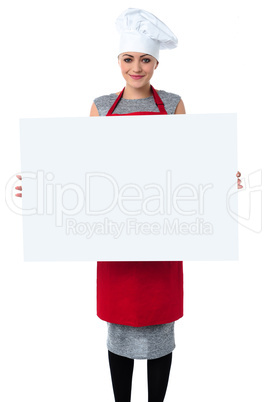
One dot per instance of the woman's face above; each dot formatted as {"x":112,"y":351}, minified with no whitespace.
{"x":137,"y":64}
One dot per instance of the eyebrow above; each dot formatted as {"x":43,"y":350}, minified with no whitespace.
{"x":132,"y":56}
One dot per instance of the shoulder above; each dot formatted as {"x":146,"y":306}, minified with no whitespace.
{"x":103,"y":103}
{"x":105,"y":98}
{"x":168,"y":95}
{"x":171,"y":100}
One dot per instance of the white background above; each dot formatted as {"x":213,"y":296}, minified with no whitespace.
{"x":56,"y":57}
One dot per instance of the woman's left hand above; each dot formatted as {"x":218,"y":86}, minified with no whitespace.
{"x":238,"y":180}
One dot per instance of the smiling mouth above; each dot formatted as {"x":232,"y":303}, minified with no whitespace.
{"x":136,"y":76}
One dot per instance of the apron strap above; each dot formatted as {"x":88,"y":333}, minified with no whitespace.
{"x":115,"y":103}
{"x":158,"y":101}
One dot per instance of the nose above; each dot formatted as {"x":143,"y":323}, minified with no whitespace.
{"x":137,"y":68}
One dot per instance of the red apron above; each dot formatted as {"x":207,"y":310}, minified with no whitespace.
{"x":139,"y":293}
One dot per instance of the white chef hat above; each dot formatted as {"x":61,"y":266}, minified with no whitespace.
{"x":141,"y":31}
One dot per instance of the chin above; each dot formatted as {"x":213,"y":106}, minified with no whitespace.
{"x":137,"y":83}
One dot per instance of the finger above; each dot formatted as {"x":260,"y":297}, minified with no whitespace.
{"x":18,"y":195}
{"x":18,"y":188}
{"x":19,"y":176}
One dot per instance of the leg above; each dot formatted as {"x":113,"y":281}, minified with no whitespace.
{"x":121,"y":369}
{"x":158,"y":371}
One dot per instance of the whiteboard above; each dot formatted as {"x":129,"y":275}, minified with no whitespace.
{"x":130,"y":188}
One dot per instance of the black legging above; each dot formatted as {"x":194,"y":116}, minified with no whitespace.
{"x":121,"y":369}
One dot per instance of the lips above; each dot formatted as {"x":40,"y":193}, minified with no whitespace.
{"x":136,"y":77}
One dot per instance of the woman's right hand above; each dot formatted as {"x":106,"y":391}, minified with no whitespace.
{"x":18,"y":187}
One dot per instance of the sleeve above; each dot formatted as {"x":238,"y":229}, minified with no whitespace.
{"x":170,"y":101}
{"x":98,"y":105}
{"x":174,"y":102}
{"x":103,"y":104}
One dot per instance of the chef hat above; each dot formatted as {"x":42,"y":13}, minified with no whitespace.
{"x":141,"y":31}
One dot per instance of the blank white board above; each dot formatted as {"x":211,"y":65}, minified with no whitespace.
{"x":130,"y":188}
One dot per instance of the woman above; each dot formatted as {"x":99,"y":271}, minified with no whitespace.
{"x":140,"y":300}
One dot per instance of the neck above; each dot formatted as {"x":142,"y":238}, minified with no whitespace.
{"x":137,"y":93}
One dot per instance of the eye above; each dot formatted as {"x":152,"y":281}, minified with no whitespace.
{"x":145,"y":59}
